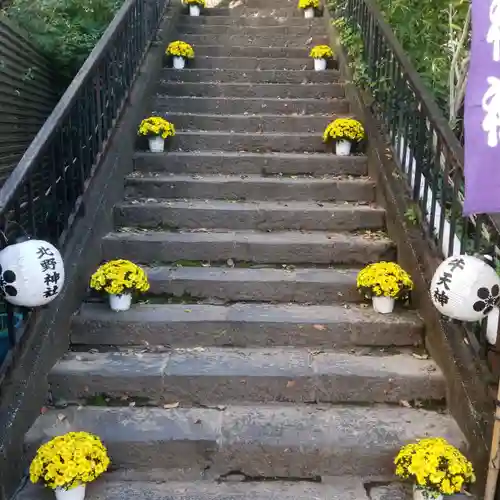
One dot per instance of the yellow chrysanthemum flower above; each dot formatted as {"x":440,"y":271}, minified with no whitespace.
{"x":384,"y":279}
{"x":180,"y":49}
{"x":70,"y":460}
{"x":321,"y":52}
{"x":119,"y":276}
{"x":307,"y":4}
{"x":435,"y":465}
{"x":201,"y":3}
{"x":156,"y":126}
{"x":344,"y":129}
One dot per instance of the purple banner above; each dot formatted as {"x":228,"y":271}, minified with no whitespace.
{"x":482,"y":111}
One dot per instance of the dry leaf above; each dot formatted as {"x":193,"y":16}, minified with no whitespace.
{"x":405,"y":403}
{"x":319,"y":327}
{"x":171,"y":406}
{"x":420,"y":356}
{"x":291,"y":383}
{"x":61,"y":417}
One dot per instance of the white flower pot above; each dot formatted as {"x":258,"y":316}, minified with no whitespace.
{"x":156,"y":144}
{"x":421,"y":494}
{"x":383,"y":305}
{"x":194,"y":10}
{"x":309,"y":13}
{"x":319,"y":64}
{"x":120,"y":302}
{"x":77,"y":493}
{"x":343,"y":148}
{"x":179,"y":62}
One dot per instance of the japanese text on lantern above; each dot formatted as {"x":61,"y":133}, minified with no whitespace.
{"x":440,"y":295}
{"x":48,"y":265}
{"x":491,"y":99}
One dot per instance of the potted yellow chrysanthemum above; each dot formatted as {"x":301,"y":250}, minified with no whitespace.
{"x":320,"y":54}
{"x":437,"y":468}
{"x":67,"y":463}
{"x":195,"y":6}
{"x":344,"y":131}
{"x":384,"y":282}
{"x":119,"y":279}
{"x":180,"y":52}
{"x":156,"y":129}
{"x":308,"y":6}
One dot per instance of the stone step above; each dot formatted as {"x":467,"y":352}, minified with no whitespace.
{"x":249,"y":187}
{"x":229,"y":163}
{"x":251,"y":106}
{"x":261,"y":215}
{"x":258,"y":441}
{"x":247,"y":63}
{"x":267,"y":39}
{"x":248,"y":11}
{"x":251,"y":51}
{"x":210,"y":376}
{"x":253,"y":90}
{"x":253,"y":21}
{"x":249,"y":76}
{"x":302,"y":285}
{"x":280,"y":247}
{"x":309,"y":29}
{"x":245,"y":325}
{"x":288,"y":142}
{"x":111,"y":487}
{"x":248,"y":123}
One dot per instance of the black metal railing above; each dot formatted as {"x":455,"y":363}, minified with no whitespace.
{"x":423,"y":143}
{"x":42,"y":196}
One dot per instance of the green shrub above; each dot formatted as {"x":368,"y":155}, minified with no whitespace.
{"x":65,"y":30}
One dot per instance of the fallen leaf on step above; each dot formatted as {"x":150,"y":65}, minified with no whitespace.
{"x":171,"y":406}
{"x":187,"y":310}
{"x":420,"y":356}
{"x":230,"y":262}
{"x":61,"y":417}
{"x":290,"y":383}
{"x":405,"y":403}
{"x":319,"y":327}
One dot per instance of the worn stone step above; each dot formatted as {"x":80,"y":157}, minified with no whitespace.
{"x":268,"y":39}
{"x":280,"y":247}
{"x":261,"y":215}
{"x":251,"y":51}
{"x":253,"y":21}
{"x":309,"y":29}
{"x":288,"y":142}
{"x":249,"y":187}
{"x":247,"y":105}
{"x":245,"y":325}
{"x":252,"y":63}
{"x":249,"y":11}
{"x":230,"y":163}
{"x":253,"y":90}
{"x":302,"y":285}
{"x":259,"y":441}
{"x":248,"y":123}
{"x":249,"y":76}
{"x":209,"y":376}
{"x":112,"y":488}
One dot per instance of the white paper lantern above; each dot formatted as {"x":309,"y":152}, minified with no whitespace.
{"x":31,"y":273}
{"x":465,"y":288}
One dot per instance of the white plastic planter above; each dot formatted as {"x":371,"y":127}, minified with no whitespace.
{"x":194,"y":10}
{"x":156,"y":144}
{"x":77,"y":493}
{"x":309,"y":13}
{"x":343,"y":148}
{"x":420,"y":494}
{"x":179,"y":62}
{"x":383,"y":305}
{"x":319,"y":64}
{"x":119,"y":303}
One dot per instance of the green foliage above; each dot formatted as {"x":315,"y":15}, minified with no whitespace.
{"x":65,"y":30}
{"x":428,"y":31}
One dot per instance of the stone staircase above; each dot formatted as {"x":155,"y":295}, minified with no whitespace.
{"x":253,"y":358}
